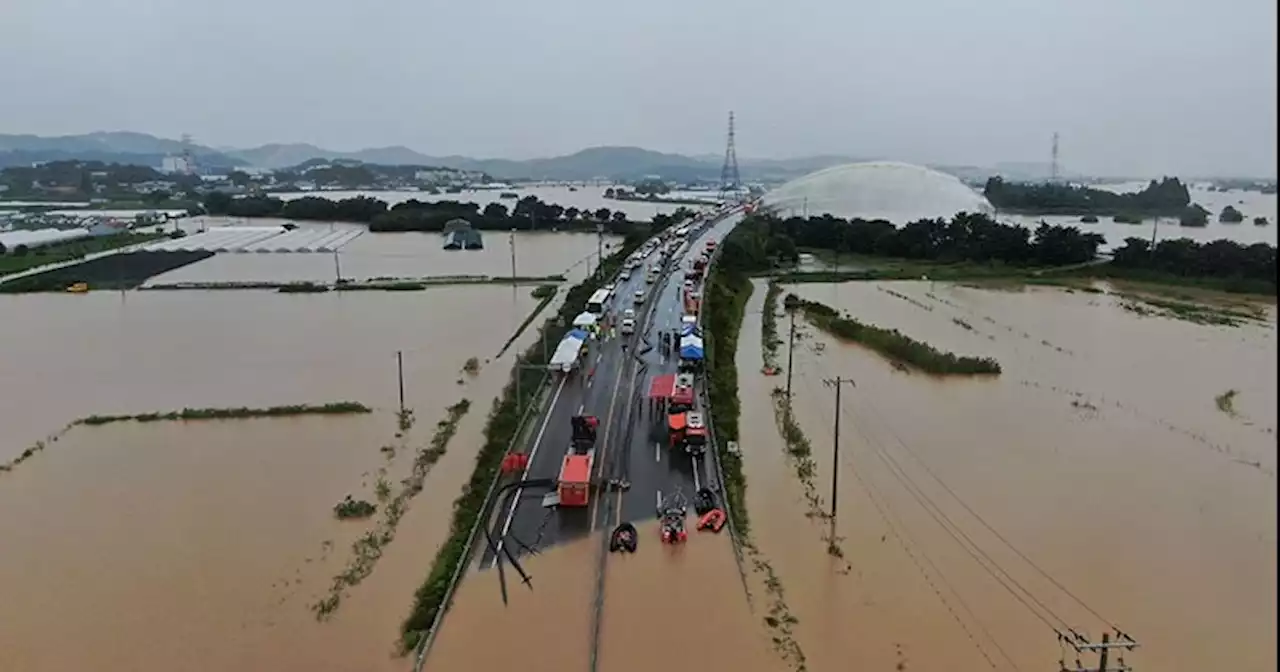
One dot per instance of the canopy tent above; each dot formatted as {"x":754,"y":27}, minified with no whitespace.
{"x":690,"y":347}
{"x":585,"y":320}
{"x":567,"y":352}
{"x":689,"y":330}
{"x":578,"y":334}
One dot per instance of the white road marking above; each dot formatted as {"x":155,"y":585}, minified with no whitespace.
{"x":657,"y":451}
{"x":658,"y":495}
{"x":533,"y":452}
{"x":696,"y":485}
{"x":580,"y":407}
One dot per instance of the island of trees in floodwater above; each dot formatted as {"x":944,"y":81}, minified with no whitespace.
{"x":527,"y":214}
{"x":770,"y":241}
{"x":1167,"y":197}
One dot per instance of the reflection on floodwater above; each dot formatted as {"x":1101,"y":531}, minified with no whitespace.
{"x":1098,"y":455}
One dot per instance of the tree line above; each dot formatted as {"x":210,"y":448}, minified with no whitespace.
{"x":527,"y":214}
{"x":965,"y":237}
{"x":1167,"y":197}
{"x":1245,"y":267}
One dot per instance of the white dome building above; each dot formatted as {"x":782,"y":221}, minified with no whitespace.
{"x":897,"y":192}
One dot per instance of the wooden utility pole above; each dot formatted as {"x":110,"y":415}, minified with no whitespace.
{"x":791,"y":345}
{"x":837,"y":382}
{"x":400,"y":376}
{"x":599,"y":244}
{"x":513,"y":255}
{"x":1081,"y":644}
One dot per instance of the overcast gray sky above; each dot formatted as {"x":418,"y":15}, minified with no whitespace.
{"x":1133,"y":86}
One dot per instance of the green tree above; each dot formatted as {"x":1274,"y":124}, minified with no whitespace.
{"x":495,"y":210}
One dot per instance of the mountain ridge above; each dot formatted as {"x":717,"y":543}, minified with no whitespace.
{"x":623,"y":162}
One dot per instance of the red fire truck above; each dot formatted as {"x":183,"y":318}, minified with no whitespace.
{"x":575,"y":473}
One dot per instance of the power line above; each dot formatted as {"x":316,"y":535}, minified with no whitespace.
{"x":1066,"y":634}
{"x":991,"y":529}
{"x":907,"y":542}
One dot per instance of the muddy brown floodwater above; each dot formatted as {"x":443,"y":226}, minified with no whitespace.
{"x":201,"y":545}
{"x":399,"y":255}
{"x":680,"y":608}
{"x":1099,"y":454}
{"x":546,"y":629}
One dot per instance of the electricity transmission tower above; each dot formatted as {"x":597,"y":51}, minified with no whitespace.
{"x":1053,"y":163}
{"x":730,"y":181}
{"x":1082,"y":645}
{"x":188,"y":155}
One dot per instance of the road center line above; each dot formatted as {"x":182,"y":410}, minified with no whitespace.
{"x":608,"y":427}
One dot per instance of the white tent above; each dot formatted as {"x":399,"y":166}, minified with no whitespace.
{"x":566,"y":354}
{"x":585,"y":320}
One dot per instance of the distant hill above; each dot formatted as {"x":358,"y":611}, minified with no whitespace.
{"x":108,"y":146}
{"x":607,"y":162}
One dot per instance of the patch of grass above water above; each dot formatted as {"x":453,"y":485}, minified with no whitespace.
{"x":1226,"y":401}
{"x":891,"y":343}
{"x":349,"y":509}
{"x":1197,"y":313}
{"x":335,"y":408}
{"x":769,"y":340}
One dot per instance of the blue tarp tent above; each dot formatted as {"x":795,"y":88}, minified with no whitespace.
{"x":577,"y":334}
{"x":690,"y":347}
{"x":689,"y":330}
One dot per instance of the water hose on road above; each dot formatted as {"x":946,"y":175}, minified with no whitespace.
{"x":506,"y":550}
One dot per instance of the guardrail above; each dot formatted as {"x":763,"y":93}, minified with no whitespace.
{"x":715,"y":441}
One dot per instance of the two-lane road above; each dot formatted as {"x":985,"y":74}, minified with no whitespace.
{"x":654,"y":469}
{"x":612,"y":385}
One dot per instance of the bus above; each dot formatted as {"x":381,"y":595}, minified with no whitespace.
{"x":598,"y":301}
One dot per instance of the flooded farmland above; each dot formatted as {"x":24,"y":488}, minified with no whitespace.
{"x":207,"y":543}
{"x":396,"y":255}
{"x":1103,"y":455}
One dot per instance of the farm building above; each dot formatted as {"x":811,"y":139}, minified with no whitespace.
{"x":40,"y":237}
{"x":261,"y":239}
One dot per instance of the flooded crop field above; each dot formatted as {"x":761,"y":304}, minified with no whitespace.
{"x":1120,"y":470}
{"x":396,"y":255}
{"x":206,"y":545}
